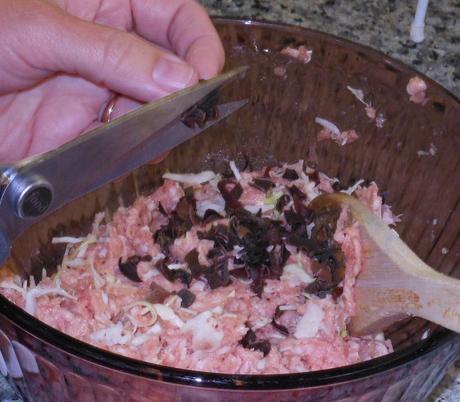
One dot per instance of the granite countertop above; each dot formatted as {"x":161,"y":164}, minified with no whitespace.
{"x":383,"y":25}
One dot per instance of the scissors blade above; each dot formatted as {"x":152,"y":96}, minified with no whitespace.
{"x":168,"y":138}
{"x":73,"y":174}
{"x":131,"y":129}
{"x":78,"y":167}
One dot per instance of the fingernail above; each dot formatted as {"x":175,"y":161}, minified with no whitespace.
{"x":172,"y":74}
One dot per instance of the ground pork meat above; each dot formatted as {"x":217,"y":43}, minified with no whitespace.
{"x":225,"y":275}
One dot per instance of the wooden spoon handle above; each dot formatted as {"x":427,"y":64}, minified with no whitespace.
{"x":410,"y":285}
{"x":439,"y":299}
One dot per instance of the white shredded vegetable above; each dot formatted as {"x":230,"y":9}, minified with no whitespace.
{"x":204,"y":334}
{"x":358,"y":94}
{"x":33,"y":294}
{"x":191,"y":178}
{"x":177,"y":266}
{"x":310,"y":323}
{"x":295,"y":273}
{"x":235,"y":170}
{"x":309,"y":228}
{"x":142,"y":338}
{"x":350,"y":190}
{"x":67,"y":239}
{"x":328,"y":126}
{"x":146,"y":308}
{"x":167,"y":314}
{"x":98,"y":280}
{"x":253,"y":209}
{"x":76,"y":262}
{"x":84,"y":246}
{"x":217,"y":204}
{"x":112,"y":335}
{"x":97,"y":221}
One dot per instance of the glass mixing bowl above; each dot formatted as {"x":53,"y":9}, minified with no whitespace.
{"x":276,"y":125}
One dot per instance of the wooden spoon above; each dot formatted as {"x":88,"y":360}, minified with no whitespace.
{"x":394,"y":283}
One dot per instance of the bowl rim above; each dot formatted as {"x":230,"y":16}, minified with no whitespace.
{"x":81,"y":350}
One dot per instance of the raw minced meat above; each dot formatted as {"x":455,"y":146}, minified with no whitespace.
{"x":230,"y":275}
{"x":416,"y":88}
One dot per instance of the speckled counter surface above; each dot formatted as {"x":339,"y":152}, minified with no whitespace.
{"x":384,"y":25}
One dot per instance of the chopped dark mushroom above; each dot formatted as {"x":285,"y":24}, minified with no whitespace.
{"x":278,"y":257}
{"x":337,"y":186}
{"x":200,"y":114}
{"x":186,"y":211}
{"x":295,"y":220}
{"x":161,"y":209}
{"x":221,"y":235}
{"x":157,"y":294}
{"x":187,"y":298}
{"x":210,"y":216}
{"x":180,"y":221}
{"x":296,"y":192}
{"x":281,"y":328}
{"x":175,"y":228}
{"x":193,"y":264}
{"x":282,"y":202}
{"x":314,"y":176}
{"x":240,"y":273}
{"x":267,"y":171}
{"x":290,"y":174}
{"x":231,"y":192}
{"x":218,"y":275}
{"x":173,"y":274}
{"x":262,"y":184}
{"x":250,"y":341}
{"x":129,"y":267}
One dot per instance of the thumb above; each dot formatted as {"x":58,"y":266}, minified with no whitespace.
{"x":55,"y":41}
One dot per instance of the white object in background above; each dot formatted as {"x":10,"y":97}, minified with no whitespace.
{"x":417,"y":28}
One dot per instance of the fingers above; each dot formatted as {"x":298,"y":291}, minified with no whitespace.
{"x":117,"y":106}
{"x":121,"y":61}
{"x":51,"y":40}
{"x":183,"y":26}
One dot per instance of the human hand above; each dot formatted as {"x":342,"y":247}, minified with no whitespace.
{"x":61,"y":61}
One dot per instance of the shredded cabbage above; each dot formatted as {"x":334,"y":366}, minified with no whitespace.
{"x":235,"y":170}
{"x":148,"y":308}
{"x":167,"y":314}
{"x":217,"y":204}
{"x":328,"y":125}
{"x":204,"y":334}
{"x":191,"y":178}
{"x":295,"y":273}
{"x":98,"y":280}
{"x":350,"y":190}
{"x":310,"y":323}
{"x":112,"y":335}
{"x":142,"y":338}
{"x":67,"y":239}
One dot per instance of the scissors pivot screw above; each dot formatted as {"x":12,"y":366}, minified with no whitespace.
{"x":34,"y":197}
